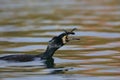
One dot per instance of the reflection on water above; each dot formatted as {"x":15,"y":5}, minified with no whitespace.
{"x":26,"y":26}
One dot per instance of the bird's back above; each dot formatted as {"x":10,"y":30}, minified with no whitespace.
{"x":18,"y":58}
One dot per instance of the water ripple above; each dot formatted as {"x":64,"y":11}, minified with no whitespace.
{"x":90,"y":33}
{"x":101,"y":53}
{"x":24,"y":39}
{"x":108,"y":45}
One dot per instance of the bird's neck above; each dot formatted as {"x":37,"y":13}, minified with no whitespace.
{"x":48,"y":53}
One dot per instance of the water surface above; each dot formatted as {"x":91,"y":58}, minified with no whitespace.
{"x":26,"y":26}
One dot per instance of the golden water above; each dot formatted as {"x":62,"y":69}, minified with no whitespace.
{"x":26,"y":26}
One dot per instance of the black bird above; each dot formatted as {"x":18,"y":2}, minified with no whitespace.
{"x":54,"y":44}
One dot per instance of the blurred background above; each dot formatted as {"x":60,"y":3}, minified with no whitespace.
{"x":26,"y":26}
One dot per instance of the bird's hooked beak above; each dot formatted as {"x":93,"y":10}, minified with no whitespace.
{"x":65,"y":36}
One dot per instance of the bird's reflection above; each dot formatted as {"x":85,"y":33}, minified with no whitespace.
{"x":49,"y":63}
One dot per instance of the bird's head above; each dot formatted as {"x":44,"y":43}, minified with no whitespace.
{"x":62,"y":39}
